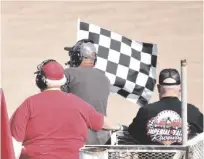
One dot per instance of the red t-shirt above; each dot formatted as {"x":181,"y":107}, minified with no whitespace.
{"x":53,"y":125}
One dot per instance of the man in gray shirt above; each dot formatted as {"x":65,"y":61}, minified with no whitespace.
{"x":88,"y":83}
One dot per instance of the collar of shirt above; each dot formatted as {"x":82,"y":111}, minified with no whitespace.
{"x":170,"y":97}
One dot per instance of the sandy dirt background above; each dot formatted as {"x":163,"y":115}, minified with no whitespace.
{"x":34,"y":31}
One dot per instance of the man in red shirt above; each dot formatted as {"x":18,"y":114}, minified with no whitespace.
{"x":53,"y":124}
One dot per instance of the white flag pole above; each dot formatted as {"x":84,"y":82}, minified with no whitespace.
{"x":184,"y":101}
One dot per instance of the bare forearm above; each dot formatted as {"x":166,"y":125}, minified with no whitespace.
{"x":109,"y":125}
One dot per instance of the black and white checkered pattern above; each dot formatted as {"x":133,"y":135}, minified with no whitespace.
{"x":129,"y":65}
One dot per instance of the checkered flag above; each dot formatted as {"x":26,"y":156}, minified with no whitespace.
{"x":129,"y":65}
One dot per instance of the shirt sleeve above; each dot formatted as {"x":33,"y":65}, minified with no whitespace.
{"x":93,"y":118}
{"x":200,"y":122}
{"x":195,"y":118}
{"x":138,"y":127}
{"x":19,"y":120}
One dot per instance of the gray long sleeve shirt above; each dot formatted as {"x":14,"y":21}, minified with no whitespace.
{"x":94,"y":87}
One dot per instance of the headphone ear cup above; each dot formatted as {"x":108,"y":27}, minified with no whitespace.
{"x":43,"y":78}
{"x":41,"y":81}
{"x":76,"y":59}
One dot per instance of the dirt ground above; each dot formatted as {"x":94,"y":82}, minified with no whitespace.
{"x":34,"y":31}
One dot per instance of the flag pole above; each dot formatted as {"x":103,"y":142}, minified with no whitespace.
{"x":184,"y":101}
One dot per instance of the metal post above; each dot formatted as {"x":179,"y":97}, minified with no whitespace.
{"x":113,"y":138}
{"x":184,"y":101}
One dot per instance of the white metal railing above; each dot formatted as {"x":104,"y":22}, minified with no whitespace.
{"x":194,"y":149}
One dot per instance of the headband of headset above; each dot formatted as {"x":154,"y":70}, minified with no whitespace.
{"x":76,"y":47}
{"x":39,"y":67}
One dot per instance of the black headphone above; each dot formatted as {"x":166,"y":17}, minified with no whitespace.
{"x":75,"y":53}
{"x":40,"y":79}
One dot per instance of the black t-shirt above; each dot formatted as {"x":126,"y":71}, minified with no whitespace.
{"x":160,"y":122}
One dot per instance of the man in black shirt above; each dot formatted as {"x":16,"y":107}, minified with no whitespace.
{"x":159,"y":123}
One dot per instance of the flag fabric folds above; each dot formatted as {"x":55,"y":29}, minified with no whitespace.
{"x":130,"y":65}
{"x":7,"y":150}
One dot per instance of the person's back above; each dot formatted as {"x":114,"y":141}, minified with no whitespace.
{"x":95,"y":92}
{"x":88,"y":83}
{"x":160,"y":122}
{"x":93,"y":87}
{"x":52,"y":133}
